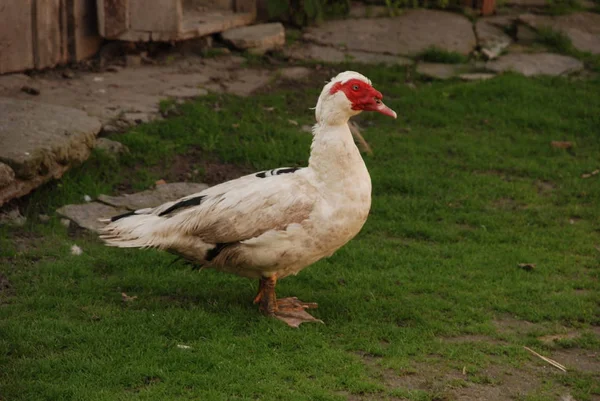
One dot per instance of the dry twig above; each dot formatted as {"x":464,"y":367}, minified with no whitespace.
{"x":550,"y":361}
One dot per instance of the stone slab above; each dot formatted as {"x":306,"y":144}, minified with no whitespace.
{"x":87,"y":215}
{"x":491,"y":39}
{"x":16,"y":39}
{"x":408,"y":34}
{"x":440,"y":71}
{"x":262,"y":36}
{"x":294,"y":73}
{"x":39,"y":139}
{"x":530,"y":64}
{"x":7,"y":175}
{"x":477,"y":76}
{"x":154,"y":197}
{"x":360,"y":10}
{"x":583,"y":28}
{"x":333,"y":55}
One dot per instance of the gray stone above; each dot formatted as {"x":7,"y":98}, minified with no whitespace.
{"x":583,"y":28}
{"x":12,"y":217}
{"x":41,"y":141}
{"x":112,"y":147}
{"x":294,"y":73}
{"x":7,"y":175}
{"x":536,"y":64}
{"x":477,"y":76}
{"x":492,"y":40}
{"x":134,"y":118}
{"x":359,"y":10}
{"x":526,"y":35}
{"x":262,"y":36}
{"x":439,"y":71}
{"x":408,"y":34}
{"x":12,"y":83}
{"x":186,"y":92}
{"x":334,"y":55}
{"x":87,"y":215}
{"x":153,"y":197}
{"x":244,"y":82}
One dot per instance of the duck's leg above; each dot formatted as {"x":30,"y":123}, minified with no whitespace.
{"x":290,"y":310}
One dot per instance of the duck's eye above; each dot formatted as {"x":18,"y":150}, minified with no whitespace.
{"x":355,"y":87}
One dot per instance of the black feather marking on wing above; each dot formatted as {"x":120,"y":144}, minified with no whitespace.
{"x":121,"y":216}
{"x":213,"y":253}
{"x":184,"y":203}
{"x":287,"y":170}
{"x":277,"y":171}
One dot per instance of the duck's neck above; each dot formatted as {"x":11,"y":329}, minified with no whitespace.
{"x":334,"y":156}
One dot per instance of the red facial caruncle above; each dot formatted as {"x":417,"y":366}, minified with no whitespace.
{"x":363,"y":96}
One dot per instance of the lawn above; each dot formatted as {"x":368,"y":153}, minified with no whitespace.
{"x":427,"y":303}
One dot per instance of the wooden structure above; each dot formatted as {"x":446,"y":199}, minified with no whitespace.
{"x":171,"y":20}
{"x":38,"y":34}
{"x":43,"y":33}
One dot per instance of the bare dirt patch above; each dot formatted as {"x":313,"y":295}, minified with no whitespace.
{"x":544,"y":187}
{"x":579,"y":359}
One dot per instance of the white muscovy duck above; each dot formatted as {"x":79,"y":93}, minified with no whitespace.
{"x":274,"y":223}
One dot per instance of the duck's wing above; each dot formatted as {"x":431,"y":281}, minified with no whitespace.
{"x":231,"y":212}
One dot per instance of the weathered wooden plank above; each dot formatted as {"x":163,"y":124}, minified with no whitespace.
{"x":49,"y":33}
{"x":155,"y":16}
{"x":16,"y":42}
{"x":113,"y":17}
{"x":245,"y":6}
{"x":84,"y":39}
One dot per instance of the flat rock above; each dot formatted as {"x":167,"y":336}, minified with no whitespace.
{"x":360,"y":10}
{"x":41,"y":141}
{"x":87,"y":215}
{"x":492,"y":39}
{"x":243,"y":83}
{"x":262,"y":36}
{"x":439,"y":71}
{"x":153,"y":197}
{"x":111,"y":147}
{"x":7,"y":175}
{"x":408,"y":34}
{"x":477,"y":76}
{"x":530,"y":64}
{"x":294,"y":73}
{"x":186,"y":92}
{"x":334,"y":55}
{"x":583,"y":28}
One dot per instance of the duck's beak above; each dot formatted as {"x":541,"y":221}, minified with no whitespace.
{"x":383,"y":109}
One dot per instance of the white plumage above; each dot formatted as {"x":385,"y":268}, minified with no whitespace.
{"x":271,"y":224}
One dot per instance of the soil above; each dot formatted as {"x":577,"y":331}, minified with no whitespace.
{"x":496,"y":382}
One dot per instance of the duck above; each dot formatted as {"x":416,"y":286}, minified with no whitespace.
{"x":274,"y":223}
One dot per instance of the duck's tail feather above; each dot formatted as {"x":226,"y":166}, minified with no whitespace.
{"x":133,"y":230}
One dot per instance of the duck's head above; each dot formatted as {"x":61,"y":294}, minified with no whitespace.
{"x":347,"y":95}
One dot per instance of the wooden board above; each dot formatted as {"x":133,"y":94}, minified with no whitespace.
{"x":16,"y":41}
{"x":49,"y":33}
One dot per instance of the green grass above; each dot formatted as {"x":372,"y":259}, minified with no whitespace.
{"x":436,"y":55}
{"x":465,"y":187}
